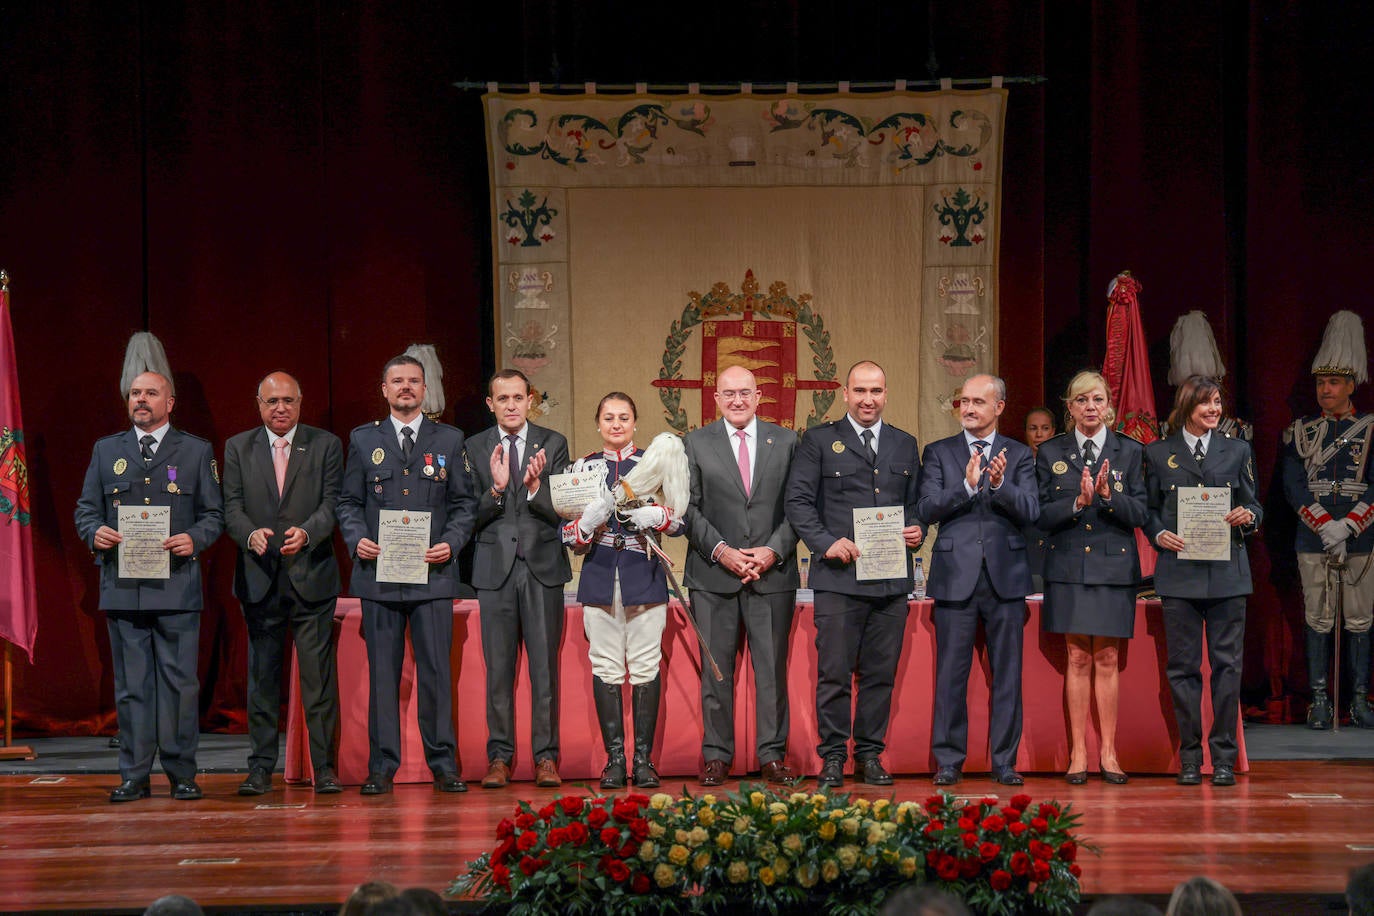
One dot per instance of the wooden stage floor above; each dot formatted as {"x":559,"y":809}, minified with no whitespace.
{"x":1284,"y":838}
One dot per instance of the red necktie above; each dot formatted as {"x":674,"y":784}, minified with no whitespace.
{"x":744,"y":474}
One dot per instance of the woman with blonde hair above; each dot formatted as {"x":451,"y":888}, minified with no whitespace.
{"x":1092,"y":498}
{"x":1201,"y":896}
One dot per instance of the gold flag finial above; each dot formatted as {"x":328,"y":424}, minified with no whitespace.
{"x":4,"y":281}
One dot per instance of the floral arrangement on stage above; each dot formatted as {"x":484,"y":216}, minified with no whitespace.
{"x":776,"y":853}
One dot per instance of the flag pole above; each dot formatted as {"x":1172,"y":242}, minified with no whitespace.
{"x":10,"y":750}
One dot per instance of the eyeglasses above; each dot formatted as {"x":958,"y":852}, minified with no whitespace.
{"x":743,"y":393}
{"x":283,"y":402}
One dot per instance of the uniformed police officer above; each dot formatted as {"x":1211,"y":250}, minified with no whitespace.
{"x":407,"y":461}
{"x":154,"y":622}
{"x":1325,"y":472}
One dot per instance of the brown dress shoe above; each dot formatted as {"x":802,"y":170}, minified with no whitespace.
{"x":715,"y":773}
{"x":779,"y":774}
{"x":498,"y":774}
{"x":546,"y":774}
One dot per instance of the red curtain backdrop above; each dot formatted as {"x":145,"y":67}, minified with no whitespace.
{"x":265,"y":186}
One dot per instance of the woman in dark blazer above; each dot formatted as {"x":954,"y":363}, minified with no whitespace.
{"x":1202,"y":595}
{"x":1092,"y":498}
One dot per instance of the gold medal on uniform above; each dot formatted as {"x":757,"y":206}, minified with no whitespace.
{"x":1173,"y":462}
{"x":172,"y":480}
{"x":837,"y":447}
{"x":1060,"y":467}
{"x":120,"y":465}
{"x":429,"y":464}
{"x":1118,"y":487}
{"x":378,"y":456}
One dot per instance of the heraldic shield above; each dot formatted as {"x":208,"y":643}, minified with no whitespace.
{"x":761,"y":334}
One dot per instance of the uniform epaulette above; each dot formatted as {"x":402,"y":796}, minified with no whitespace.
{"x":192,"y":436}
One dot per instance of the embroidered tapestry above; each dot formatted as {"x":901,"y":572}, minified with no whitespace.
{"x":645,"y":243}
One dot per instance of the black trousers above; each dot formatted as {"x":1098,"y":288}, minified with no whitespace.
{"x":956,"y":628}
{"x":157,"y":691}
{"x":1222,"y":620}
{"x":856,"y":638}
{"x":311,"y":627}
{"x":431,"y":639}
{"x":767,"y":621}
{"x":522,"y":610}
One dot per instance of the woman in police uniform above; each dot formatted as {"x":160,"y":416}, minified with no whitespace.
{"x":1202,"y":595}
{"x":624,"y":596}
{"x":1092,"y":498}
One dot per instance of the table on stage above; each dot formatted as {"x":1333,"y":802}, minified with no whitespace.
{"x":1146,"y":738}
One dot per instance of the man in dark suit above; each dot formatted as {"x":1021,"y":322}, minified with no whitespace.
{"x":407,"y":461}
{"x":518,"y":568}
{"x":154,"y":623}
{"x":281,"y":483}
{"x":742,"y":567}
{"x":858,"y":462}
{"x":980,"y":487}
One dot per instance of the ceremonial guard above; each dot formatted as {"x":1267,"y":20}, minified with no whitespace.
{"x":1325,"y":471}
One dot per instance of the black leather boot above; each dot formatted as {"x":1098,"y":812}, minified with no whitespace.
{"x":1320,"y":713}
{"x":644,"y":700}
{"x":610,"y":713}
{"x":1357,"y":663}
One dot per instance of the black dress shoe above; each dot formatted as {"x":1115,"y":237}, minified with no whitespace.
{"x":326,"y":783}
{"x":186,"y":790}
{"x":377,"y":784}
{"x":259,"y":782}
{"x":947,"y":776}
{"x":116,"y":741}
{"x":1223,"y":775}
{"x":873,"y":772}
{"x":131,"y":790}
{"x":1009,"y":777}
{"x":449,"y":782}
{"x":1077,"y":778}
{"x":832,"y":773}
{"x":1113,"y":777}
{"x":1189,"y":774}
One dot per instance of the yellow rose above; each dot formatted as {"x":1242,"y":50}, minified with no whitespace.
{"x":778,"y":818}
{"x":777,"y":808}
{"x":701,"y":860}
{"x":798,"y":798}
{"x":648,"y":851}
{"x":836,"y":814}
{"x":766,"y":876}
{"x":863,"y":804}
{"x":697,"y":837}
{"x":818,"y":799}
{"x":850,"y":825}
{"x":780,"y":868}
{"x":830,"y":870}
{"x":889,"y":828}
{"x":876,"y":835}
{"x":907,"y":867}
{"x":826,"y":831}
{"x":808,"y":875}
{"x":706,"y":817}
{"x":904,"y":811}
{"x":665,"y":875}
{"x":708,"y":800}
{"x":848,"y":856}
{"x":678,"y":854}
{"x":792,"y":843}
{"x":656,"y":830}
{"x":738,"y":872}
{"x":725,"y":839}
{"x":767,"y":850}
{"x":881,"y":806}
{"x":756,"y":799}
{"x":660,"y":800}
{"x":891,"y":855}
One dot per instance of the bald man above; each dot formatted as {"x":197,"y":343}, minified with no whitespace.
{"x":281,"y":481}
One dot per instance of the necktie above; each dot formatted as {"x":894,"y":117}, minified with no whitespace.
{"x":868,"y":447}
{"x":744,"y":473}
{"x":1198,"y":452}
{"x":280,"y":448}
{"x":513,"y":461}
{"x":147,"y":442}
{"x":981,"y":447}
{"x":407,"y":443}
{"x":1089,"y":452}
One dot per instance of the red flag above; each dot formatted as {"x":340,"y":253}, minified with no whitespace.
{"x":18,"y":605}
{"x":1127,"y":370}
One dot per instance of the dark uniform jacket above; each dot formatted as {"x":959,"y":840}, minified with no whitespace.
{"x":831,"y":477}
{"x":1096,"y":546}
{"x":181,"y":475}
{"x":376,"y":477}
{"x":1332,"y":483}
{"x":1169,"y":464}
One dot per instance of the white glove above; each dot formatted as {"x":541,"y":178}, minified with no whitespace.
{"x":596,"y":512}
{"x":648,"y":517}
{"x":1354,"y":528}
{"x":577,"y":466}
{"x":1333,"y":532}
